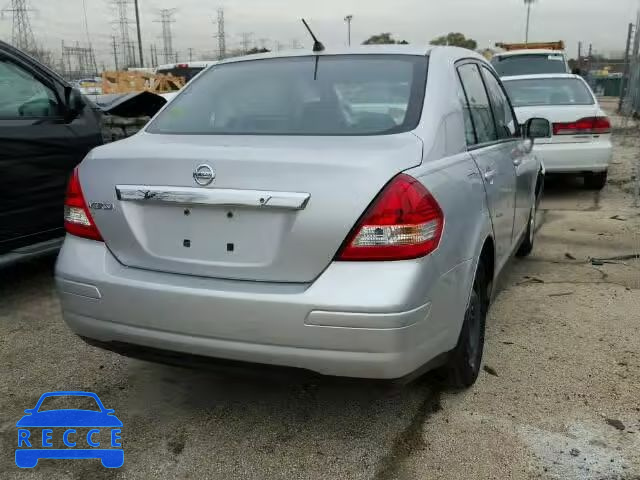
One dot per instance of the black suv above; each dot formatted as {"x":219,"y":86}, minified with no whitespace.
{"x":46,"y":129}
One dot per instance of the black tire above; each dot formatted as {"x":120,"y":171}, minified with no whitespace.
{"x":526,"y":246}
{"x":464,"y":361}
{"x":595,"y":180}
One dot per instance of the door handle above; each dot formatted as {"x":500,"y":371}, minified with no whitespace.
{"x":489,"y":175}
{"x":517,"y":161}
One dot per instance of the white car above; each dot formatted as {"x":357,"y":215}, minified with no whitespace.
{"x":530,"y":62}
{"x":579,"y":140}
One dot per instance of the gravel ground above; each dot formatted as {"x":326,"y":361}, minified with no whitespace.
{"x":559,"y":396}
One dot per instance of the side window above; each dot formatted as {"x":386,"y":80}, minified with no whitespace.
{"x":505,"y":122}
{"x":479,"y":105}
{"x":24,"y":96}
{"x":469,"y":131}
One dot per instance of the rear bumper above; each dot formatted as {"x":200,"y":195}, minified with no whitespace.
{"x":349,"y":322}
{"x":575,"y":157}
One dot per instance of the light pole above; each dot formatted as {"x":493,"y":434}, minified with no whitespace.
{"x":348,"y":19}
{"x":528,"y":4}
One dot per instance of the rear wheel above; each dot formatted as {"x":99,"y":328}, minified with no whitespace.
{"x":464,"y":361}
{"x":595,"y":180}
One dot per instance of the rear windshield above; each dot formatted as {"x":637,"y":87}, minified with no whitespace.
{"x":548,"y":91}
{"x":529,"y":64}
{"x":324,"y":95}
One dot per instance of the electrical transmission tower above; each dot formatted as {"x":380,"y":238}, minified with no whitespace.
{"x":222,"y":40}
{"x":126,"y":47}
{"x":22,"y":34}
{"x":167,"y":40}
{"x":79,"y":62}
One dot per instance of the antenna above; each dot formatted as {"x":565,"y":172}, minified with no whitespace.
{"x":317,"y":45}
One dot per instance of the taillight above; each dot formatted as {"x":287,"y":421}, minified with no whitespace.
{"x":584,"y":126}
{"x":403,"y":222}
{"x":77,"y":218}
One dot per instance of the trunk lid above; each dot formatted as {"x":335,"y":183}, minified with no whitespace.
{"x":278,"y":208}
{"x":560,"y":114}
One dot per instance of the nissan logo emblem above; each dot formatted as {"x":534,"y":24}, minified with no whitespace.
{"x":204,"y":175}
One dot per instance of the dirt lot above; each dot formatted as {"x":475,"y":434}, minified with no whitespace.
{"x":559,"y":396}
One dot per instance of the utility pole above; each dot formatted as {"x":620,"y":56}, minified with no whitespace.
{"x":114,"y":45}
{"x":625,"y":75}
{"x":190,"y":54}
{"x":590,"y":59}
{"x":222,"y":40}
{"x":348,"y":19}
{"x":580,"y":56}
{"x":139,"y":33}
{"x":528,"y":4}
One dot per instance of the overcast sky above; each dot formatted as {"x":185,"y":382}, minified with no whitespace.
{"x":600,"y":22}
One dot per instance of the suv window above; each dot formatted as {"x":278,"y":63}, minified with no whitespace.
{"x":479,"y":105}
{"x":325,"y":95}
{"x":529,"y":64}
{"x":502,"y":113}
{"x":24,"y":96}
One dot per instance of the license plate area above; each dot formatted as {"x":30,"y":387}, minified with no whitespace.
{"x":212,"y":235}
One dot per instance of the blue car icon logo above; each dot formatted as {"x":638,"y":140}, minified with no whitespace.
{"x":84,"y":433}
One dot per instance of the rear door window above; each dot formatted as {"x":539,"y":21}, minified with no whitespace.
{"x":502,"y":113}
{"x":323,"y":95}
{"x":479,"y":105}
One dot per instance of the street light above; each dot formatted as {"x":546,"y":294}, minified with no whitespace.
{"x":528,"y":4}
{"x":348,"y":19}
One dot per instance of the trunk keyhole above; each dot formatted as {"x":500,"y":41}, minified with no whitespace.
{"x":186,"y":243}
{"x":230,"y":247}
{"x":187,"y":212}
{"x":229,"y":214}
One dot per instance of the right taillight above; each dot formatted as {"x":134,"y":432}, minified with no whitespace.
{"x":77,"y":218}
{"x":402,"y":223}
{"x":584,"y":126}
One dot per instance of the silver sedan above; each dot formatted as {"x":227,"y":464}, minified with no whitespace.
{"x":344,"y":212}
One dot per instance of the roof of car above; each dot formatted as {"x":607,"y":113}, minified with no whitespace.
{"x":420,"y":50}
{"x":532,"y":51}
{"x":540,"y":76}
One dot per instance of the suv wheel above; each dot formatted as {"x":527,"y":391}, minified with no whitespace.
{"x":595,"y":180}
{"x":464,"y":361}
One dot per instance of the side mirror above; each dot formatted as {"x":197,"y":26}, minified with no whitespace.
{"x":74,"y":103}
{"x":537,"y":128}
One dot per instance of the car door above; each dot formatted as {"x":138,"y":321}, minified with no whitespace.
{"x":39,"y":145}
{"x":524,"y":163}
{"x":492,"y":154}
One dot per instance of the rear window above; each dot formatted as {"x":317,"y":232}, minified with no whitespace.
{"x":324,"y":95}
{"x":185,"y":72}
{"x":548,"y":91}
{"x":529,"y":64}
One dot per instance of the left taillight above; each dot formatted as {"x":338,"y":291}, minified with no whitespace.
{"x":584,"y":126}
{"x":402,"y":223}
{"x":77,"y":218}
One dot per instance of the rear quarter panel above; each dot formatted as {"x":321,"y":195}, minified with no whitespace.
{"x":450,"y":174}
